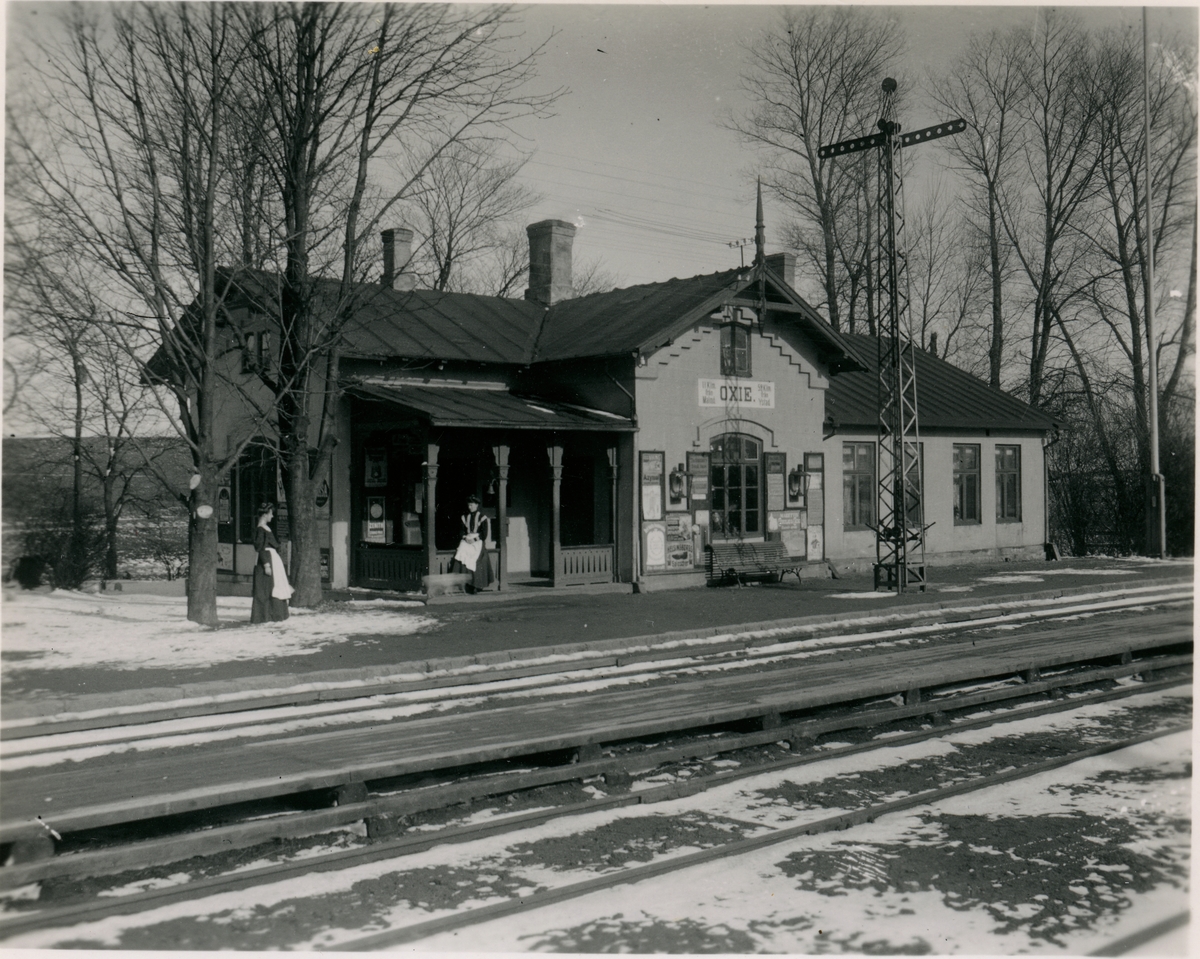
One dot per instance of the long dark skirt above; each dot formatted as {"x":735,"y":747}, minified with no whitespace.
{"x":482,"y":578}
{"x":264,"y":608}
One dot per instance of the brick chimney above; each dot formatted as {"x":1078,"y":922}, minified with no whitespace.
{"x":550,"y":244}
{"x":783,"y":265}
{"x":397,"y":246}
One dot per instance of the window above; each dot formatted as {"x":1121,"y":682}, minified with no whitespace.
{"x":256,"y":355}
{"x":858,"y":485}
{"x":966,"y":483}
{"x":735,"y":486}
{"x":1008,"y":484}
{"x":735,"y":350}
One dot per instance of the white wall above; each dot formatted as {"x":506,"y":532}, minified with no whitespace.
{"x":945,"y":538}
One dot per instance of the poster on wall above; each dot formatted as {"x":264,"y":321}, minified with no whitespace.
{"x":652,"y":485}
{"x":375,"y":468}
{"x":376,"y":524}
{"x":698,"y":476}
{"x":776,"y":469}
{"x":654,"y":545}
{"x":816,"y":499}
{"x":224,"y":505}
{"x":225,"y":556}
{"x":816,"y":543}
{"x":792,"y":533}
{"x":679,"y":542}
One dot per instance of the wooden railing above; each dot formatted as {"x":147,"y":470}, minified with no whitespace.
{"x":585,"y":564}
{"x":398,"y":568}
{"x":401,"y":567}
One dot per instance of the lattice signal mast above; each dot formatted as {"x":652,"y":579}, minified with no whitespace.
{"x":900,"y":533}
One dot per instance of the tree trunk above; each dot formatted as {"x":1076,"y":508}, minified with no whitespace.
{"x":302,"y":519}
{"x":202,"y":551}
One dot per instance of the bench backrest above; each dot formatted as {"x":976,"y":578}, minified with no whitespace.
{"x":746,"y":555}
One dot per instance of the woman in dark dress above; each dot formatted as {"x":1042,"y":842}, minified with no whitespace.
{"x":472,"y":555}
{"x":271,"y":590}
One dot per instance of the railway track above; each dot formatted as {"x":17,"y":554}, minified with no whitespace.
{"x":382,"y":800}
{"x":955,"y":715}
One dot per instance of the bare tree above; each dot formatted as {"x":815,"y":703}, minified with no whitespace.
{"x":947,"y":268}
{"x":349,"y":86}
{"x":984,"y":88}
{"x":467,"y":196}
{"x":1046,"y":222}
{"x":815,"y":80}
{"x":122,"y":143}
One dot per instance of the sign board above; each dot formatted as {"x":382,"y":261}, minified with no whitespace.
{"x":816,"y":543}
{"x":375,"y":468}
{"x":698,"y":474}
{"x":654,"y":545}
{"x":679,"y":542}
{"x":225,"y":556}
{"x":775,"y":465}
{"x":376,"y":526}
{"x":225,"y":508}
{"x":652,"y":485}
{"x":753,"y":394}
{"x":792,"y":533}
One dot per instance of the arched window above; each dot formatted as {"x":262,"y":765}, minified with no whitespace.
{"x":735,"y":487}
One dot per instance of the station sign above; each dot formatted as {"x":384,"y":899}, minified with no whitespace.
{"x":753,"y":394}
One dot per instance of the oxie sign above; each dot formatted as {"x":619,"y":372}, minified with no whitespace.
{"x":756,"y":394}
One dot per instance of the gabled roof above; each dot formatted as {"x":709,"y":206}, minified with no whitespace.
{"x":947,"y":397}
{"x":644,"y":318}
{"x":489,"y":329}
{"x":420,"y":323}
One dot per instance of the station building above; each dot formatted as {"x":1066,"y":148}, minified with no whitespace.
{"x":612,"y":437}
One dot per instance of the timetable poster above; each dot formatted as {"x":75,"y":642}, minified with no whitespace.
{"x":652,"y":485}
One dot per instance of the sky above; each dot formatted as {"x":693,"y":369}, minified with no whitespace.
{"x":639,"y":137}
{"x":636,"y":155}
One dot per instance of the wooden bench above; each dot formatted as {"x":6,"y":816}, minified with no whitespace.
{"x":736,"y":561}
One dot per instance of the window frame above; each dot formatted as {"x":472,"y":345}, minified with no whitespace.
{"x":856,"y":478}
{"x":729,"y":352}
{"x":961,"y":484}
{"x":1014,"y":474}
{"x":719,"y":463}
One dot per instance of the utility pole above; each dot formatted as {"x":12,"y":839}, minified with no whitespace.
{"x":900,"y":529}
{"x":1156,"y":491}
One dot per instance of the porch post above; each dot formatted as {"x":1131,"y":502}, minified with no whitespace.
{"x":555,"y":453}
{"x":431,"y":471}
{"x":501,"y":454}
{"x":613,"y":471}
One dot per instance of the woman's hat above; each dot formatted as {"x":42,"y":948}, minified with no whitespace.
{"x":472,"y":498}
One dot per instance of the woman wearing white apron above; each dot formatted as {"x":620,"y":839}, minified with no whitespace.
{"x":472,"y":555}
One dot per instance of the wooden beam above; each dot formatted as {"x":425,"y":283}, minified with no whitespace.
{"x":555,"y":453}
{"x":500,"y":452}
{"x":431,"y":471}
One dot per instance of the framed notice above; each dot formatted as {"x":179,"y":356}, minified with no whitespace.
{"x":679,"y":541}
{"x":225,"y":556}
{"x":375,"y":468}
{"x":376,"y":520}
{"x":698,"y":475}
{"x":654,"y":545}
{"x":793,"y":534}
{"x":652,"y":484}
{"x":775,"y":465}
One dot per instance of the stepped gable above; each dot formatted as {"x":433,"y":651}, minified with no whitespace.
{"x":947,"y":397}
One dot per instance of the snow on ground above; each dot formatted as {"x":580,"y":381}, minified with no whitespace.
{"x":759,"y":902}
{"x":63,"y":629}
